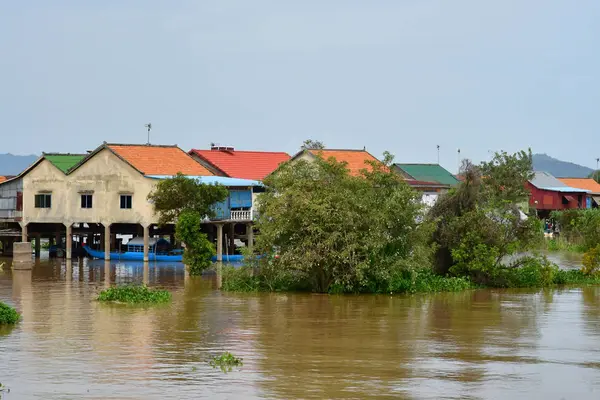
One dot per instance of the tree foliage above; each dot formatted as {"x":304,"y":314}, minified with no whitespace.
{"x":177,"y":194}
{"x":335,"y":230}
{"x":478,"y":224}
{"x":580,"y":227}
{"x":198,"y":249}
{"x":311,"y":144}
{"x":187,"y":202}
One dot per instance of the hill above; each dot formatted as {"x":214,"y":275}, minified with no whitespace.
{"x":13,"y":165}
{"x":558,"y":168}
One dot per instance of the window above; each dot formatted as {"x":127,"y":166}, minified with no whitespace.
{"x":43,"y":200}
{"x":86,"y":201}
{"x":125,"y":201}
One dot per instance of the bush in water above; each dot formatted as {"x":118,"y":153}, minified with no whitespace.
{"x":134,"y":294}
{"x":8,"y":315}
{"x":591,"y":261}
{"x":226,"y":362}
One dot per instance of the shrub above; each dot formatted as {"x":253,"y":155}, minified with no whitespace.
{"x":591,"y":261}
{"x":134,"y":294}
{"x":8,"y":315}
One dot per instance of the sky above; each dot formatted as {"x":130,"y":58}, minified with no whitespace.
{"x":396,"y":75}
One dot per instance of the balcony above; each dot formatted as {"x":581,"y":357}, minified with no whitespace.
{"x":234,"y":215}
{"x":10,"y":215}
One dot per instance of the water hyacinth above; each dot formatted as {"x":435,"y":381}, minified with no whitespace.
{"x":134,"y":294}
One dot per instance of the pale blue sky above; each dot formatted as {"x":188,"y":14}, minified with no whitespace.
{"x":397,"y":75}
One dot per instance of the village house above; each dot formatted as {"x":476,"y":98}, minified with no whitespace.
{"x":226,"y":161}
{"x":547,"y":194}
{"x":356,"y":160}
{"x":431,"y":180}
{"x":593,"y":188}
{"x":101,"y":194}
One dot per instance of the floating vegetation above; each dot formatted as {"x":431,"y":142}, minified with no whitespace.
{"x":134,"y":294}
{"x":226,"y":362}
{"x":3,"y":389}
{"x":8,"y":315}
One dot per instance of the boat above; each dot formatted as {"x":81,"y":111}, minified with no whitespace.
{"x":158,"y":251}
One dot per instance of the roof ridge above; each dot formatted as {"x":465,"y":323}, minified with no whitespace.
{"x":419,"y":164}
{"x":63,"y":154}
{"x":241,"y":151}
{"x":141,"y":145}
{"x":356,"y":150}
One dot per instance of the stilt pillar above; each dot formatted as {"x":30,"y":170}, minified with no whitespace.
{"x":231,"y":245}
{"x":146,"y":242}
{"x":107,"y":241}
{"x":219,"y":242}
{"x":38,"y":245}
{"x":24,"y":235}
{"x":69,"y":240}
{"x":250,"y":237}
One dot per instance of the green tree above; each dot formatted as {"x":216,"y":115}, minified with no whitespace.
{"x":595,"y":175}
{"x":187,"y":202}
{"x":335,"y":231}
{"x":311,"y":144}
{"x":172,"y":196}
{"x":478,"y":224}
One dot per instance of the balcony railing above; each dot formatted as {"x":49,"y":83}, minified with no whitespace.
{"x":241,"y":215}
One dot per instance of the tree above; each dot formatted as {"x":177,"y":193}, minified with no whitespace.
{"x":595,"y":175}
{"x":478,"y":224}
{"x":177,"y":194}
{"x":339,"y":232}
{"x":187,"y":202}
{"x":310,"y":144}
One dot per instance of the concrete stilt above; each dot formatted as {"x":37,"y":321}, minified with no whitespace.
{"x":22,"y":255}
{"x":107,"y":273}
{"x":24,"y":235}
{"x":107,"y":241}
{"x":219,"y":242}
{"x":231,"y":237}
{"x":146,"y":274}
{"x":146,"y":242}
{"x":69,"y":240}
{"x":250,"y":236}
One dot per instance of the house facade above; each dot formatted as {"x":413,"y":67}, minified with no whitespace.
{"x":105,"y":192}
{"x":593,"y":188}
{"x":547,"y":194}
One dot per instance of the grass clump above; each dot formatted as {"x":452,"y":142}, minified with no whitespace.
{"x":8,"y":315}
{"x":226,"y":362}
{"x":134,"y":294}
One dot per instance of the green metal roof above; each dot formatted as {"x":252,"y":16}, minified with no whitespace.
{"x":429,"y":173}
{"x":64,"y":161}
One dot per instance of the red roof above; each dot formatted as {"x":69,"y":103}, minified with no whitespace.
{"x":356,"y":160}
{"x":242,"y":164}
{"x":159,"y":160}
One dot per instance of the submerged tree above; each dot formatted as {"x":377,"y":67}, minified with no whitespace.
{"x":335,"y":231}
{"x":187,"y":202}
{"x":479,"y":223}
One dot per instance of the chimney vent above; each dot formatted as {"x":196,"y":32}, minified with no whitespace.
{"x":215,"y":147}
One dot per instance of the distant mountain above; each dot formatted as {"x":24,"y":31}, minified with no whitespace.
{"x":558,"y":168}
{"x":13,"y":165}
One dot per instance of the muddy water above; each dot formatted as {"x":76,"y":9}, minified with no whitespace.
{"x":492,"y":344}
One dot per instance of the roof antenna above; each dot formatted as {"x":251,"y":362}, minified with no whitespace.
{"x":149,"y":126}
{"x":438,"y":152}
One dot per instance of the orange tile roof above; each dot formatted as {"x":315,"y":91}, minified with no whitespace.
{"x":356,"y":159}
{"x":582,"y":183}
{"x":2,"y":178}
{"x":243,"y":164}
{"x":159,"y":160}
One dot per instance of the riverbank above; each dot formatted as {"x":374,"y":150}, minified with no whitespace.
{"x":245,"y":279}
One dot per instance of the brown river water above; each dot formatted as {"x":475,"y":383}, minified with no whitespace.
{"x":488,"y":344}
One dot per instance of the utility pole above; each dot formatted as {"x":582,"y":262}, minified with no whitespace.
{"x":149,"y":126}
{"x":438,"y":154}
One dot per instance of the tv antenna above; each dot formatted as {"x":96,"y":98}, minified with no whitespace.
{"x":438,"y":153}
{"x":458,"y":162}
{"x":149,"y":126}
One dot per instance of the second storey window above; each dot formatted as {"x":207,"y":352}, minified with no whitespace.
{"x":86,"y":201}
{"x":125,"y":201}
{"x":43,"y":200}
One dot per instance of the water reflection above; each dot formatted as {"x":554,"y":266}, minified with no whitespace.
{"x":476,"y":344}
